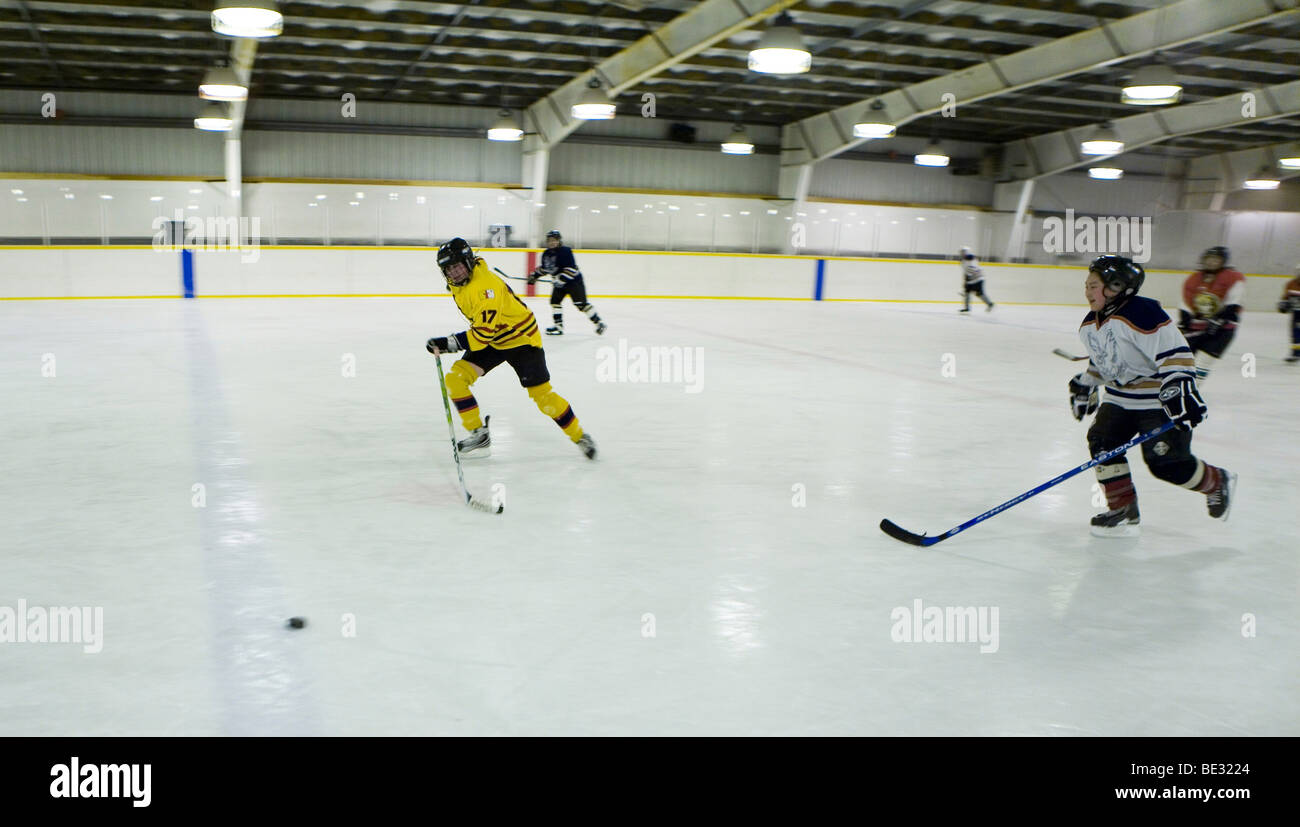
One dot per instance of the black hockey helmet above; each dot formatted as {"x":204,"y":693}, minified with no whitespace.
{"x":456,"y":251}
{"x":1123,"y":275}
{"x":555,"y":234}
{"x":1221,"y":252}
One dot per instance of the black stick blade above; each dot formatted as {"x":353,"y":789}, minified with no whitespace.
{"x":902,"y":534}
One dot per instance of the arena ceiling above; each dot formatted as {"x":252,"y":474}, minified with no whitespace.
{"x":474,"y":53}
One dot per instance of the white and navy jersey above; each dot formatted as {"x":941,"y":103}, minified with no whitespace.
{"x":970,"y":270}
{"x":559,"y":264}
{"x":1133,"y":352}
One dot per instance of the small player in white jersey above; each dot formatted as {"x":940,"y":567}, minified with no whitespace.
{"x":972,"y":276}
{"x":1148,"y":371}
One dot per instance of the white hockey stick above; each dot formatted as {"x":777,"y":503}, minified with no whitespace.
{"x":477,"y":505}
{"x":1069,"y":356}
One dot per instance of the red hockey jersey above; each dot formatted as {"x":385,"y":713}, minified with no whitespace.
{"x":1205,"y":294}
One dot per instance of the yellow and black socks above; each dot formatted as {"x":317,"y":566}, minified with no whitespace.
{"x":553,"y":405}
{"x":459,"y":378}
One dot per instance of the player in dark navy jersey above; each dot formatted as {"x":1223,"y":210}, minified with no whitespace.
{"x":558,"y":263}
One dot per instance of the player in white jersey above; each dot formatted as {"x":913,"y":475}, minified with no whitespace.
{"x":1141,"y":359}
{"x":972,"y":280}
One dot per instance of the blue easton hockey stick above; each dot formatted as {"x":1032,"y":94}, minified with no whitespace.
{"x":893,"y":530}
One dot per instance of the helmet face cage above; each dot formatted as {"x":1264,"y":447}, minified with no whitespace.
{"x":456,"y":251}
{"x":555,"y":234}
{"x":1220,"y":252}
{"x":1120,"y":274}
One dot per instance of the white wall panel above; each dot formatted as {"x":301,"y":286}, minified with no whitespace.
{"x":99,"y":150}
{"x":131,"y":272}
{"x":662,"y":168}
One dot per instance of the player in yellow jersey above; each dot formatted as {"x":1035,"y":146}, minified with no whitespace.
{"x":502,"y":329}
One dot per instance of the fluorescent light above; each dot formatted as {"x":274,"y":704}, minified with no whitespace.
{"x":594,"y":105}
{"x":155,"y":198}
{"x":1106,"y":173}
{"x":16,"y":192}
{"x":106,"y":197}
{"x":321,"y":197}
{"x":247,"y":18}
{"x":1103,"y":142}
{"x":875,"y":123}
{"x":20,"y":198}
{"x":1292,"y":161}
{"x":738,"y":142}
{"x":780,"y":50}
{"x":506,"y":128}
{"x":1262,"y":180}
{"x":222,"y":85}
{"x":932,"y":156}
{"x":1153,"y":85}
{"x":213,"y":118}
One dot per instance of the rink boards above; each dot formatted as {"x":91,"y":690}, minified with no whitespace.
{"x":140,"y":271}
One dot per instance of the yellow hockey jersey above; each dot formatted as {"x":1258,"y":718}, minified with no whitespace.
{"x":497,"y":317}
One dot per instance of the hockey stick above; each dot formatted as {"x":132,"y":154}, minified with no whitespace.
{"x":1069,"y":356}
{"x":893,"y":530}
{"x":455,"y":452}
{"x":521,"y":278}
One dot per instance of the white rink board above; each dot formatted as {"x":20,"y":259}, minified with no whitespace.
{"x":271,"y":271}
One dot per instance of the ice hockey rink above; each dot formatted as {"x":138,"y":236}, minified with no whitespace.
{"x":718,"y":570}
{"x":229,"y":499}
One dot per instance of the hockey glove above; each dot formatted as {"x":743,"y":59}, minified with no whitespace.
{"x":1184,"y":321}
{"x":1214,"y":325}
{"x":1083,"y":398}
{"x":443,"y":344}
{"x":1284,"y":305}
{"x":1182,"y":401}
{"x":532,"y":277}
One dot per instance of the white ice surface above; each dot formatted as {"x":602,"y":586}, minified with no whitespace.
{"x":330,"y":496}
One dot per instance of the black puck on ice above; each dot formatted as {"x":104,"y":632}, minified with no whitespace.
{"x":297,"y":622}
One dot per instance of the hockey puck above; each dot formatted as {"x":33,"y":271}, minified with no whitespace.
{"x":297,"y":622}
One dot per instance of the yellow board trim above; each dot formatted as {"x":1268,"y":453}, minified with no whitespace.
{"x":494,"y":250}
{"x":444,"y":295}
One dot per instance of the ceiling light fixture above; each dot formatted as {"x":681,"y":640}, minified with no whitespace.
{"x":1153,"y":85}
{"x":738,"y":142}
{"x":1103,"y":142}
{"x":932,"y":156}
{"x":1263,"y":180}
{"x":506,"y":128}
{"x":214,"y":118}
{"x":247,"y":18}
{"x":1106,"y":173}
{"x":780,"y":51}
{"x":594,"y":105}
{"x":875,"y":123}
{"x":222,"y":85}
